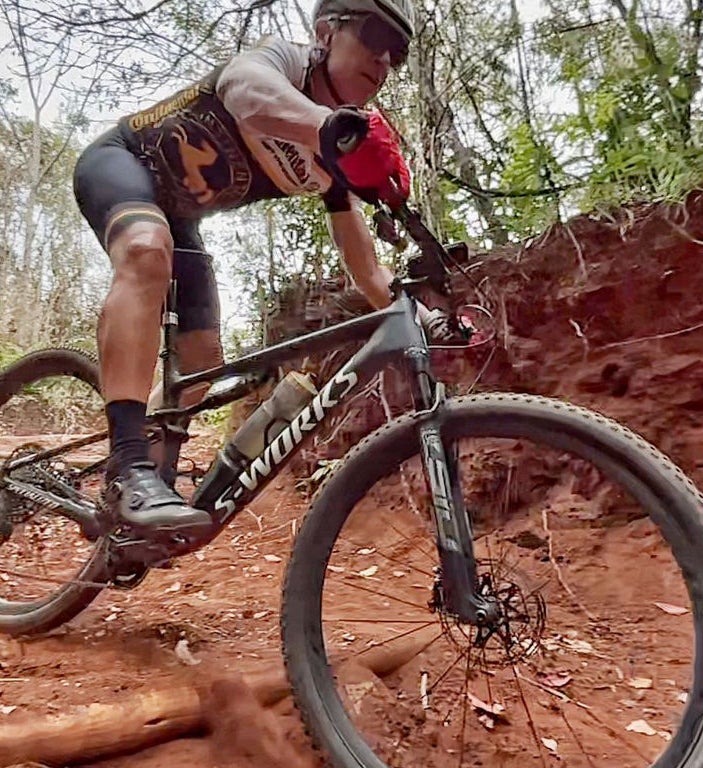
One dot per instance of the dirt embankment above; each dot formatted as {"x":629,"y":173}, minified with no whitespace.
{"x":607,"y":313}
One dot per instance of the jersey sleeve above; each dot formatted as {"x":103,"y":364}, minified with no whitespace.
{"x":290,"y":59}
{"x":262,"y":90}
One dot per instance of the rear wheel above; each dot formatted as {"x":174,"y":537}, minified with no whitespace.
{"x":590,"y":540}
{"x":48,"y":571}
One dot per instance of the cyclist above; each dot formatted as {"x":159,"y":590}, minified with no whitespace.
{"x":264,"y":125}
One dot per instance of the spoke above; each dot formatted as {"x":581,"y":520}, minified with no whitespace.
{"x":461,"y":655}
{"x":415,"y":544}
{"x":385,"y":594}
{"x":575,"y":737}
{"x":615,"y":734}
{"x":567,"y":699}
{"x":533,"y":727}
{"x":462,"y":740}
{"x":380,"y":621}
{"x":409,"y":632}
{"x":50,"y":580}
{"x":404,"y":563}
{"x":487,"y":677}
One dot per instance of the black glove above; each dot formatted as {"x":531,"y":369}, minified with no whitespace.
{"x":340,"y":133}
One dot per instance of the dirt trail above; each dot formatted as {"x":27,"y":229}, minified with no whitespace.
{"x":224,"y":604}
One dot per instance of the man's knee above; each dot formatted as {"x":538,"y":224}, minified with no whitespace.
{"x":142,"y":255}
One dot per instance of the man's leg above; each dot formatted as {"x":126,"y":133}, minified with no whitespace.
{"x":197,"y":306}
{"x":197,"y":351}
{"x":129,"y":333}
{"x":198,"y":342}
{"x":128,"y":340}
{"x":115,"y":194}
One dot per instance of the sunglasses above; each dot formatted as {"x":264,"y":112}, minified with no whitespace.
{"x":378,"y":37}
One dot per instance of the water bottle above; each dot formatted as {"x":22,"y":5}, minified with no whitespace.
{"x":289,"y":397}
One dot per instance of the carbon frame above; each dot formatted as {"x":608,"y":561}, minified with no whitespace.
{"x":396,"y":335}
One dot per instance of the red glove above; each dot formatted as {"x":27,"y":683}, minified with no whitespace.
{"x":377,"y":164}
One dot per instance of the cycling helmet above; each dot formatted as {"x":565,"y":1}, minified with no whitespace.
{"x":398,"y":13}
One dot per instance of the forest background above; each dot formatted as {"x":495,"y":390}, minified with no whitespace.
{"x":515,"y":115}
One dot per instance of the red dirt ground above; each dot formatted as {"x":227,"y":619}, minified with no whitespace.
{"x":224,"y":602}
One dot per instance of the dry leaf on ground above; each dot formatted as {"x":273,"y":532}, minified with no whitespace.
{"x":674,"y":610}
{"x":555,"y":679}
{"x":641,"y":726}
{"x":550,"y":744}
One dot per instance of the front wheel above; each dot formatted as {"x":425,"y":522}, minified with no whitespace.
{"x":591,"y":543}
{"x":48,"y":571}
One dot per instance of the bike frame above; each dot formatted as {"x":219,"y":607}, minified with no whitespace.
{"x":392,"y":335}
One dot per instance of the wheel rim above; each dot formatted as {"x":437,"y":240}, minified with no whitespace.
{"x":43,"y":554}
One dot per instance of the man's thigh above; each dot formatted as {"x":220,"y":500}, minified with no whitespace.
{"x":113,"y":189}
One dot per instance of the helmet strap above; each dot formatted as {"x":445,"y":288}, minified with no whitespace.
{"x":334,"y":93}
{"x":320,"y":53}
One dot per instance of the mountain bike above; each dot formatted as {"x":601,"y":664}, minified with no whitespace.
{"x":473,"y":536}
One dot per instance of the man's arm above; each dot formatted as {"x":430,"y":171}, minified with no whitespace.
{"x":351,"y":235}
{"x":260,"y":88}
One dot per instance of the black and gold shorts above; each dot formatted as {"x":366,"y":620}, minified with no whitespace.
{"x":114,"y":189}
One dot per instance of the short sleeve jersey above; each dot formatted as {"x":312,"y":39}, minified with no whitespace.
{"x":204,"y":159}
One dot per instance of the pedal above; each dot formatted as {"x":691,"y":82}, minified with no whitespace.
{"x":131,"y":558}
{"x":135,"y":574}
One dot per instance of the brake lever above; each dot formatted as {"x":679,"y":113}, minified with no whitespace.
{"x":387,"y":231}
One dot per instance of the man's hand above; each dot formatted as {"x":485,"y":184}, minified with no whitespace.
{"x":441,"y":328}
{"x":373,"y":166}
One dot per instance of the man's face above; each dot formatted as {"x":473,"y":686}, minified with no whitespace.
{"x":357,"y":72}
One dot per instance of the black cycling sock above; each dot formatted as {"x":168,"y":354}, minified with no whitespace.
{"x":128,"y":443}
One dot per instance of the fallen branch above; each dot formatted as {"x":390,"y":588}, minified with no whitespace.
{"x":146,"y":719}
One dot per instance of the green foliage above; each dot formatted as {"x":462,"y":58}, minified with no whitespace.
{"x":217,"y":418}
{"x":528,"y":168}
{"x":509,"y":125}
{"x":9,"y":352}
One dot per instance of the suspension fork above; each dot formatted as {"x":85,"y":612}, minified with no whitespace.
{"x":453,"y":528}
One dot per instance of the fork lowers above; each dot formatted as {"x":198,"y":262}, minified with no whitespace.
{"x":459,"y":598}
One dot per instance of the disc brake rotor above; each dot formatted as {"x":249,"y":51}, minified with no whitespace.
{"x":517,"y":631}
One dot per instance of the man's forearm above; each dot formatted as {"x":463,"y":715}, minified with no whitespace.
{"x":375,"y":286}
